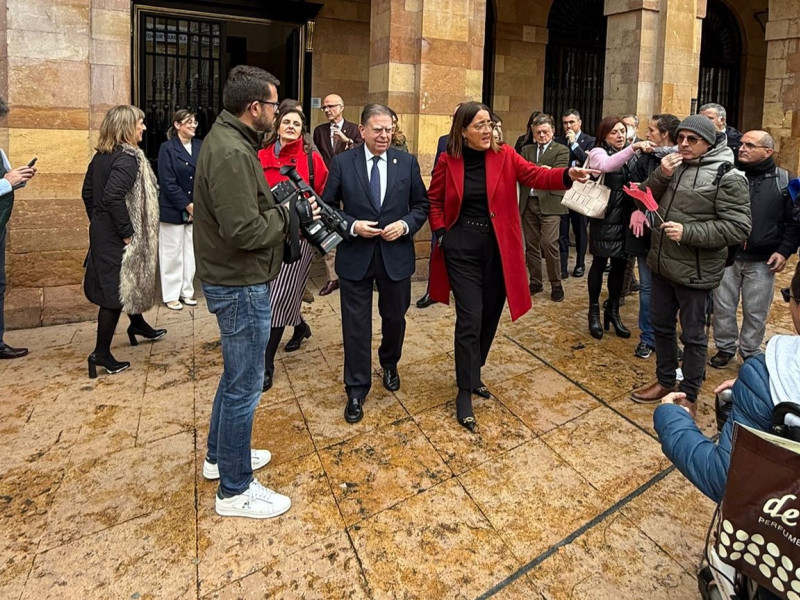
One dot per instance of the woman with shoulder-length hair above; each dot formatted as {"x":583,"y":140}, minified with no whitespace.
{"x":289,"y":144}
{"x":177,"y":158}
{"x":121,"y":199}
{"x":479,"y":252}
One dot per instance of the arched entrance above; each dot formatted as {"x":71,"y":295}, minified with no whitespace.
{"x":575,"y":60}
{"x":721,"y":60}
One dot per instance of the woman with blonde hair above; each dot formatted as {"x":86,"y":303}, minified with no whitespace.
{"x":121,"y":199}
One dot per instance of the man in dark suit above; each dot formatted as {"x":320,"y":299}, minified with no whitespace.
{"x":379,"y":193}
{"x":332,"y":138}
{"x":541,"y":210}
{"x":579,"y":144}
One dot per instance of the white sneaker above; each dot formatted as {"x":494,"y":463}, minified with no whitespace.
{"x":256,"y":502}
{"x":258,"y":459}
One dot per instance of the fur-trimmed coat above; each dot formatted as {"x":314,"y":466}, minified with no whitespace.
{"x":121,"y":199}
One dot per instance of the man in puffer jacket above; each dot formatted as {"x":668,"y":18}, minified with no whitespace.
{"x":705,"y":205}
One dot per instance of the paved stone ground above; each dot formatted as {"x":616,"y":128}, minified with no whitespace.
{"x":563,"y":494}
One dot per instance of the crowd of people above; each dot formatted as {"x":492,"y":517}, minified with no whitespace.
{"x":725,"y":224}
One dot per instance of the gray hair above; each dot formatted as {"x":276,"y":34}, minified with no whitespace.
{"x":714,"y":106}
{"x":767,"y":141}
{"x":631,"y":116}
{"x":374,"y":110}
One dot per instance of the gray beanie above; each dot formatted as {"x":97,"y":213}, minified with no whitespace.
{"x":700,"y":125}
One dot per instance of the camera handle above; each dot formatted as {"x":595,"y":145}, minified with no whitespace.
{"x":291,"y":251}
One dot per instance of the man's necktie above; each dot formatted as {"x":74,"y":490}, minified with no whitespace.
{"x":539,"y":152}
{"x":375,"y":184}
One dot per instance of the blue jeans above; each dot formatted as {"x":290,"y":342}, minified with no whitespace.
{"x":243,"y":315}
{"x":645,"y":287}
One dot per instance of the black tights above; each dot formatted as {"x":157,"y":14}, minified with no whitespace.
{"x":275,"y":335}
{"x":107,"y":319}
{"x":615,"y":278}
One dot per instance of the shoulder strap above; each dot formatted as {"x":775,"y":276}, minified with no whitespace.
{"x":311,"y":168}
{"x":721,"y":171}
{"x":782,"y":180}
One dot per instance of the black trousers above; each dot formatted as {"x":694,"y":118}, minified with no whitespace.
{"x":394,"y":298}
{"x":668,"y":300}
{"x":579,"y":225}
{"x":475,"y":271}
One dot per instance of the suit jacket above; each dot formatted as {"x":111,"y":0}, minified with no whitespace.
{"x":441,"y":147}
{"x":176,"y":178}
{"x":577,"y":156}
{"x":555,"y":155}
{"x":347,"y":190}
{"x":503,"y":170}
{"x":322,"y":140}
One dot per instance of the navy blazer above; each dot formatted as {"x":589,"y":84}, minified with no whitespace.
{"x":176,"y":178}
{"x":441,"y":148}
{"x":347,"y":191}
{"x":577,"y":156}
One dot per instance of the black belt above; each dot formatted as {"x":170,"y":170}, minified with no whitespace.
{"x":481,"y":224}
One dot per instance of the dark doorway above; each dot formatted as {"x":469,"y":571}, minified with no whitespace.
{"x":489,"y":44}
{"x":575,"y":60}
{"x":720,"y":60}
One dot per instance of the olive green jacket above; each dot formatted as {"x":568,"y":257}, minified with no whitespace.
{"x":713,"y":218}
{"x":238,"y":229}
{"x":556,"y":155}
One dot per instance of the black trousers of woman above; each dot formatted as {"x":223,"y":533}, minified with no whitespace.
{"x":475,"y":271}
{"x":616,"y":278}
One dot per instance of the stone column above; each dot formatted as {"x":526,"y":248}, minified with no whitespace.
{"x":426,"y":56}
{"x":782,"y":83}
{"x":652,"y":56}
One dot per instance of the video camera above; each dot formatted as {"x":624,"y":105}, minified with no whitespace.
{"x":324,"y":233}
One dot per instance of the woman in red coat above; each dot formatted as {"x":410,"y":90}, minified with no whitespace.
{"x":479,"y":252}
{"x":289,"y":145}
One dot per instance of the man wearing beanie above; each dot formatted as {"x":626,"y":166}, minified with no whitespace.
{"x":705,"y":206}
{"x":774,"y":238}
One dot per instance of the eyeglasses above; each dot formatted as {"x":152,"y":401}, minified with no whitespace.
{"x":380,"y":130}
{"x":787,"y":295}
{"x":484,"y":126}
{"x":329,"y":106}
{"x":689,"y":139}
{"x":751,"y":146}
{"x":274,"y":105}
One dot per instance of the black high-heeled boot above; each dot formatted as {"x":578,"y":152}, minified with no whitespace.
{"x":595,"y":328}
{"x":464,"y":413}
{"x":611,"y":316}
{"x":146,"y":332}
{"x":301,"y":332}
{"x":109,"y":363}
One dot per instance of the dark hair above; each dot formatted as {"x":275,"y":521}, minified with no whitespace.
{"x":667,"y":123}
{"x":244,"y":86}
{"x":571,"y":111}
{"x":289,"y":103}
{"x":3,"y":108}
{"x":374,"y":109}
{"x":179,"y":116}
{"x":461,"y":120}
{"x":527,"y":137}
{"x":795,"y":284}
{"x":605,"y":127}
{"x":289,"y":108}
{"x":398,"y":137}
{"x":543,"y":119}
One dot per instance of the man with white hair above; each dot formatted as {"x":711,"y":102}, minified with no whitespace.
{"x":717,"y":115}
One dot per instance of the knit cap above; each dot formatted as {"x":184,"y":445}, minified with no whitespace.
{"x":700,"y":125}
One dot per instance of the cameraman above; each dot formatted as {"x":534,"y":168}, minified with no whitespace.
{"x":764,"y":381}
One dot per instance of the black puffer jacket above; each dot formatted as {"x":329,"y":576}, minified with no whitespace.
{"x":607,"y":235}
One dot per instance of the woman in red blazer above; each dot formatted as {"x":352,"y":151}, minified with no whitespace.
{"x":479,"y":252}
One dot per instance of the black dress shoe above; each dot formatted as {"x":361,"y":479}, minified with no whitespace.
{"x":557,"y":294}
{"x":468,"y":423}
{"x":425,"y":301}
{"x":564,"y":274}
{"x":578,"y":271}
{"x":391,"y":380}
{"x":149,"y":334}
{"x":482,"y":391}
{"x":301,"y":332}
{"x":535,"y":288}
{"x":353,"y":412}
{"x":7,"y":351}
{"x":329,"y":287}
{"x":267,"y":382}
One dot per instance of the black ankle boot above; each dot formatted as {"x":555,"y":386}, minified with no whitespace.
{"x":301,"y":332}
{"x":611,"y":316}
{"x":595,"y":328}
{"x":146,"y":332}
{"x":109,"y":363}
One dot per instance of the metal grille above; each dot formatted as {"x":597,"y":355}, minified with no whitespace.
{"x":720,"y":60}
{"x":575,"y":61}
{"x":180,"y":67}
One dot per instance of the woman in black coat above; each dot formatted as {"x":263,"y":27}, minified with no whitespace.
{"x":121,"y":199}
{"x":176,"y":164}
{"x":607,"y":235}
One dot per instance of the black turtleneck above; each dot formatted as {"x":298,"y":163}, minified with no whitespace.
{"x":475,"y":203}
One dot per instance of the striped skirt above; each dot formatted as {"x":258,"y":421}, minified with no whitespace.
{"x":286,"y":290}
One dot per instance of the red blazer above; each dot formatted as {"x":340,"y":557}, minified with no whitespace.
{"x":503,"y":170}
{"x":292,"y":154}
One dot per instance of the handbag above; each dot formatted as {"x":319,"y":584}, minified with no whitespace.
{"x":759,"y":532}
{"x":590,"y":198}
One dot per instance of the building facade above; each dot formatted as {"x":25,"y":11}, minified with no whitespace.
{"x":64,"y":63}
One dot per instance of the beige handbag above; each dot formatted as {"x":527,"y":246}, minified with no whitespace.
{"x":590,"y":198}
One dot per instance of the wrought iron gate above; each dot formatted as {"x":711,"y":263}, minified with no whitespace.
{"x":720,"y":60}
{"x":575,"y":61}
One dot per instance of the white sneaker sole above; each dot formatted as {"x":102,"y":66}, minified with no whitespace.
{"x":232,"y":511}
{"x":211,"y":472}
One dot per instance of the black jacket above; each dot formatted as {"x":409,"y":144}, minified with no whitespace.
{"x":577,"y":155}
{"x":640,"y":170}
{"x":176,"y":178}
{"x":774,"y":228}
{"x":607,"y":235}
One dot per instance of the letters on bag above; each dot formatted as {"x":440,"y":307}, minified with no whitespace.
{"x":590,"y":198}
{"x":759,"y":533}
